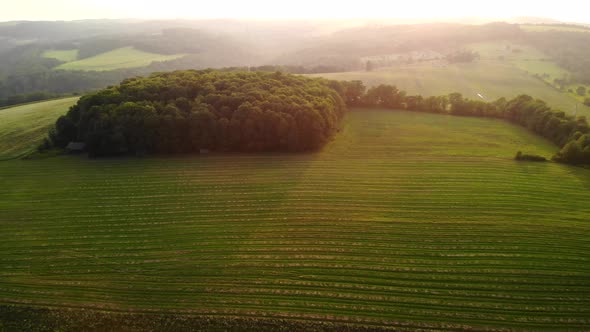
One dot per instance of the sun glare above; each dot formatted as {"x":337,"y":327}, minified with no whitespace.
{"x":302,"y":9}
{"x":265,"y":9}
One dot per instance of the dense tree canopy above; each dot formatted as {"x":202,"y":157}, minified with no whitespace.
{"x":187,"y":111}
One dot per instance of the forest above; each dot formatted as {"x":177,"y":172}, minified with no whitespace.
{"x":187,"y":111}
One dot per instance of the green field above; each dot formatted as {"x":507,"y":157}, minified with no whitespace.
{"x":509,"y":50}
{"x":491,"y":78}
{"x":521,"y":56}
{"x":543,"y":67}
{"x":405,"y":220}
{"x":532,"y":61}
{"x":62,"y":55}
{"x":22,"y":128}
{"x":126,"y":57}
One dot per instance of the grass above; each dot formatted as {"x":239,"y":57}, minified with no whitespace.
{"x":491,"y":78}
{"x":523,"y":57}
{"x":546,"y":68}
{"x":405,"y":220}
{"x":530,"y":60}
{"x":126,"y":57}
{"x":62,"y":55}
{"x":533,"y":62}
{"x":23,"y":127}
{"x":509,"y":50}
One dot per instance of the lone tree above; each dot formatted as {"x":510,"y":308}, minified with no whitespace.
{"x":370,"y":66}
{"x":581,"y":91}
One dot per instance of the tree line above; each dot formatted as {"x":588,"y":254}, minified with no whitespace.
{"x":187,"y":111}
{"x":570,"y":133}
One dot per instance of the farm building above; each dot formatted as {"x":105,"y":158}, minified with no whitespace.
{"x":75,"y":147}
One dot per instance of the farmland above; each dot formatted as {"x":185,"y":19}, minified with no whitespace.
{"x":126,"y":57}
{"x":405,"y":220}
{"x":506,"y":69}
{"x":530,"y":60}
{"x":23,"y":127}
{"x":62,"y":55}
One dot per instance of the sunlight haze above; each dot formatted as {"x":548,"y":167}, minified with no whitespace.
{"x":294,"y":165}
{"x":303,"y":9}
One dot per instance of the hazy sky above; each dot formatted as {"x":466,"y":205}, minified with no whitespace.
{"x":566,"y":10}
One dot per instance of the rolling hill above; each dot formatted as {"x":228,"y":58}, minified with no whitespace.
{"x":62,"y":55}
{"x":492,"y":79}
{"x":126,"y":57}
{"x":405,"y":221}
{"x":534,"y":62}
{"x":22,"y":128}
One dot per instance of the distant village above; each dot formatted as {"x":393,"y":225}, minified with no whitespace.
{"x":386,"y":60}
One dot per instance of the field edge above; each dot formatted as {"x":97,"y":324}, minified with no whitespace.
{"x":64,"y":319}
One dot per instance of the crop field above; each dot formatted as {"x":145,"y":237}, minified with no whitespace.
{"x":404,"y":221}
{"x":126,"y":57}
{"x":23,"y":127}
{"x":491,"y":78}
{"x":62,"y":55}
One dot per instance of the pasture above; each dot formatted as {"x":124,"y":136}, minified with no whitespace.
{"x":533,"y":62}
{"x":61,"y":55}
{"x":22,"y":128}
{"x":404,"y":221}
{"x":508,"y":50}
{"x":126,"y":57}
{"x":491,"y":78}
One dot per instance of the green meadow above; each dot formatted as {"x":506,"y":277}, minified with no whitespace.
{"x":126,"y":57}
{"x":22,"y":128}
{"x":534,"y":63}
{"x":61,"y":55}
{"x":404,"y":221}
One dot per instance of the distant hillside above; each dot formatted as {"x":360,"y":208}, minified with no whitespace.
{"x":33,"y":53}
{"x":346,"y":47}
{"x":125,"y":57}
{"x":532,"y":20}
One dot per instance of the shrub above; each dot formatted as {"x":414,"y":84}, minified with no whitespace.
{"x":529,"y":157}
